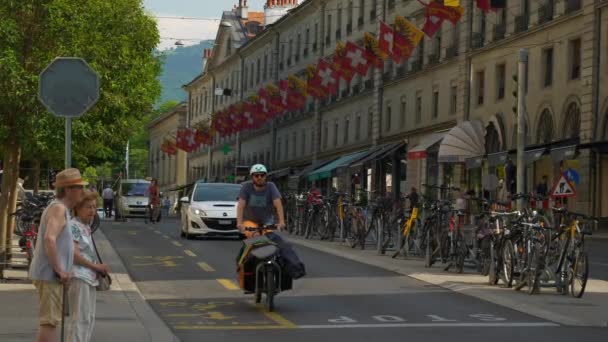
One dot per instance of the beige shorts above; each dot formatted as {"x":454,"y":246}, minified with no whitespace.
{"x":50,"y":295}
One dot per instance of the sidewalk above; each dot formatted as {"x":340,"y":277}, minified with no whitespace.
{"x":587,"y":311}
{"x":122,"y":313}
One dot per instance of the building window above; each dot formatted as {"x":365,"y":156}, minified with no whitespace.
{"x":370,"y":121}
{"x":453,"y":99}
{"x":265,"y":67}
{"x":575,"y":59}
{"x":361,"y":20}
{"x":402,"y":113}
{"x":346,"y":128}
{"x":282,"y":59}
{"x":372,"y":12}
{"x":435,"y":104}
{"x":328,"y":32}
{"x":286,"y":156}
{"x":251,"y":76}
{"x":437,"y":47}
{"x":480,"y":86}
{"x":500,"y":81}
{"x":289,"y":52}
{"x":303,"y":144}
{"x":547,"y":68}
{"x":298,"y":46}
{"x":325,"y":134}
{"x":389,"y":114}
{"x":349,"y":18}
{"x":358,"y":127}
{"x":316,"y":37}
{"x":306,"y":41}
{"x":336,"y":127}
{"x":421,"y":52}
{"x":258,"y":72}
{"x":229,"y":47}
{"x":294,"y":141}
{"x":339,"y":24}
{"x":278,"y":153}
{"x":312,"y":140}
{"x":418,"y":109}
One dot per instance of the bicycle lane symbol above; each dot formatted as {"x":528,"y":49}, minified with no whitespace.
{"x":217,"y":315}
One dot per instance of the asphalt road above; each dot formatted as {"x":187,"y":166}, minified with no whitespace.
{"x":191,"y":285}
{"x":598,"y":258}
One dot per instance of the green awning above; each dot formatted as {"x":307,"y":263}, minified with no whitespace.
{"x":326,"y":171}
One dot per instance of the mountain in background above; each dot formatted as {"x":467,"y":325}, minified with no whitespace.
{"x":181,"y":65}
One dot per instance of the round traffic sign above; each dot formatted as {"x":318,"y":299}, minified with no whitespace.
{"x":68,"y":87}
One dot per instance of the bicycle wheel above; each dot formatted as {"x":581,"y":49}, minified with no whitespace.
{"x":507,"y":263}
{"x":534,"y":269}
{"x":428,"y":257}
{"x":579,"y":273}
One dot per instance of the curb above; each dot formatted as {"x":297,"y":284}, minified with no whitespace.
{"x":156,"y":328}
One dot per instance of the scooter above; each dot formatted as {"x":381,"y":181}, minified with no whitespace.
{"x":260,"y":268}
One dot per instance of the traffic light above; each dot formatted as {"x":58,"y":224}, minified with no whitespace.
{"x":515,"y":95}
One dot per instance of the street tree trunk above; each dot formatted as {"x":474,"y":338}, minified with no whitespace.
{"x":12,"y":200}
{"x":4,"y":201}
{"x":36,"y":176}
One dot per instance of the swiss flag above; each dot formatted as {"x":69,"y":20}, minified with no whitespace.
{"x":342,"y":65}
{"x":266,"y":104}
{"x":186,"y":140}
{"x":357,"y":58}
{"x":432,"y":24}
{"x":386,"y":41}
{"x":291,"y":98}
{"x":324,"y":82}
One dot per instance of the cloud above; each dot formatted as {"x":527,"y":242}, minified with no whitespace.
{"x":189,"y":32}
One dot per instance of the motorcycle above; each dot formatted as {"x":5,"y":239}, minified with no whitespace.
{"x":260,"y":269}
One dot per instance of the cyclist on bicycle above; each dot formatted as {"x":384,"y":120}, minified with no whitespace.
{"x":260,"y":202}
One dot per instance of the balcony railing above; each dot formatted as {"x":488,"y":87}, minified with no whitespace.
{"x":386,"y":76}
{"x":433,"y":59}
{"x":400,"y":72}
{"x":545,"y":13}
{"x":499,"y":31}
{"x":369,"y":84}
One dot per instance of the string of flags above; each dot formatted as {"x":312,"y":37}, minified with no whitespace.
{"x":397,"y":42}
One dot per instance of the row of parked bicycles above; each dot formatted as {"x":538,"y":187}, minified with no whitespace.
{"x":528,"y":249}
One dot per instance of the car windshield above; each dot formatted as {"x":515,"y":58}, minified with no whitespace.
{"x":135,"y":189}
{"x":227,"y":193}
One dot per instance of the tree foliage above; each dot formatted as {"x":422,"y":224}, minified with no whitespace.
{"x":116,"y":38}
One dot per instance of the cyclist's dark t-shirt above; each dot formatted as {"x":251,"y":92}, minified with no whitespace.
{"x":259,"y":208}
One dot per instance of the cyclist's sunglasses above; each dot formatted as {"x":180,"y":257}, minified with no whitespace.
{"x":259,"y":175}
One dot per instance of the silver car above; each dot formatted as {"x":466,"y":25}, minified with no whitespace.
{"x":131,"y":199}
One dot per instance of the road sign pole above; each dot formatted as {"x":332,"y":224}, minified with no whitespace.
{"x":521,"y":124}
{"x":68,"y":143}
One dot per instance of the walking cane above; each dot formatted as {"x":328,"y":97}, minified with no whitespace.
{"x":65,"y":310}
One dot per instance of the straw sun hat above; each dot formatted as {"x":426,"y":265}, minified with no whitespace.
{"x":69,"y":177}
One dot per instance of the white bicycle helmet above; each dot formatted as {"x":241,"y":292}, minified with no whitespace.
{"x":258,"y":168}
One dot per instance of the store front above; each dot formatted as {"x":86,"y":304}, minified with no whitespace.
{"x":423,"y":163}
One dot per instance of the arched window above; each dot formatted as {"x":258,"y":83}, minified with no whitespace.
{"x":544,"y":132}
{"x":492,"y":139}
{"x":572,"y":122}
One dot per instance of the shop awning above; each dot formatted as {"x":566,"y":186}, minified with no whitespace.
{"x":495,"y":159}
{"x":326,"y":171}
{"x":563,"y":153}
{"x":473,"y":163}
{"x":463,"y":141}
{"x":420,"y":151}
{"x":533,"y":155}
{"x":379,"y":152}
{"x":280,"y":173}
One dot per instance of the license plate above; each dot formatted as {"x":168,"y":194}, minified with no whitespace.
{"x":226,"y":222}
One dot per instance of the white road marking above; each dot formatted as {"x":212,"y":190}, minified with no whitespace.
{"x":429,"y":325}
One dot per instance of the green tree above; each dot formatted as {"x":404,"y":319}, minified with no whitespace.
{"x":117,"y":38}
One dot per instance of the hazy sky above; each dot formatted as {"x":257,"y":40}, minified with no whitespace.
{"x":191,"y":31}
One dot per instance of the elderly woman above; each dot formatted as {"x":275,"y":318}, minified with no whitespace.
{"x":82,"y":291}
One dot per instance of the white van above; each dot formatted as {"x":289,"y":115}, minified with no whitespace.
{"x":131,"y":199}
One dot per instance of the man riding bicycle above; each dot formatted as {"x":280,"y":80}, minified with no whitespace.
{"x":260,"y":202}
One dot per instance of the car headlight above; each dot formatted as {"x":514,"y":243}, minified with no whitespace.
{"x":198,"y":212}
